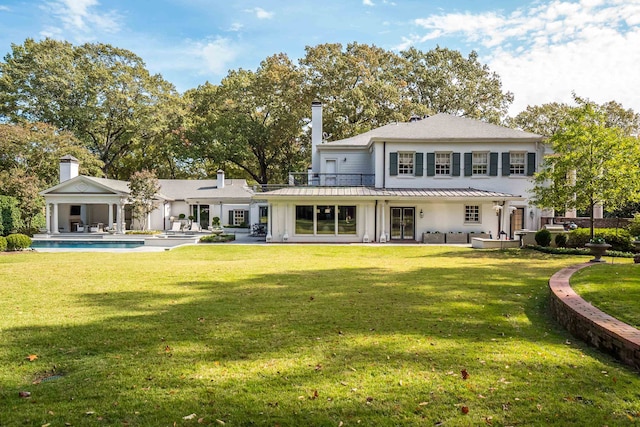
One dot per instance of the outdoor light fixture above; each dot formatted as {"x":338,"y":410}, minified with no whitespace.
{"x":421,"y":213}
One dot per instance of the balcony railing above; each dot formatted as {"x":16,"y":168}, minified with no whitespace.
{"x":308,"y":179}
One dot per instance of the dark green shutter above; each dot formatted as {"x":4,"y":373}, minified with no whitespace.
{"x":493,"y":164}
{"x":431,"y":164}
{"x":419,"y":164}
{"x":456,"y":164}
{"x":531,"y":164}
{"x":393,"y":164}
{"x":230,"y":218}
{"x":468,"y":163}
{"x":506,"y":164}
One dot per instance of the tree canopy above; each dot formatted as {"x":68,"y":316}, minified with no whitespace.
{"x":103,"y":94}
{"x":593,"y":163}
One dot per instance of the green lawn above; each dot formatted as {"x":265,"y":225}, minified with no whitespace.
{"x":297,"y":335}
{"x":613,"y":288}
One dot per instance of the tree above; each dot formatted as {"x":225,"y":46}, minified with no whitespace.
{"x":10,"y":218}
{"x":446,"y":82}
{"x":592,"y":163}
{"x":103,"y":94}
{"x":361,"y":87}
{"x":546,"y":119}
{"x":144,"y":187}
{"x":252,"y":121}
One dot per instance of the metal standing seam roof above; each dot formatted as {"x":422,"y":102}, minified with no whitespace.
{"x":435,"y":193}
{"x":441,"y":127}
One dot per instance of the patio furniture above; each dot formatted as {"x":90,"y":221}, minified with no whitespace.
{"x":96,"y":227}
{"x":176,"y":227}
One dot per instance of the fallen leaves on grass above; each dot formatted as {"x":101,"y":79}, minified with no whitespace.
{"x":465,"y":410}
{"x":465,"y":374}
{"x":189,"y":417}
{"x":31,"y":357}
{"x":24,"y":394}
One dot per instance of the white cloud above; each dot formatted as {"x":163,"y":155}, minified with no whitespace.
{"x":543,"y":53}
{"x":81,"y":18}
{"x":216,"y":55}
{"x":368,"y":3}
{"x":260,"y":13}
{"x":4,"y":8}
{"x":236,"y":26}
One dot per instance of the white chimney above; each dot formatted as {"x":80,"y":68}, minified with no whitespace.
{"x":220,"y":180}
{"x":316,"y":134}
{"x":68,"y":168}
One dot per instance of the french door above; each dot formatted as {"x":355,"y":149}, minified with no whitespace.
{"x":403,"y":224}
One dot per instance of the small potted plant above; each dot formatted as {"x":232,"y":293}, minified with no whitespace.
{"x":598,"y":247}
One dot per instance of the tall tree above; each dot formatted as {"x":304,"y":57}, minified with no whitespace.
{"x":252,"y":121}
{"x":144,"y":187}
{"x":361,"y":86}
{"x":592,"y":163}
{"x":446,"y":82}
{"x":103,"y":94}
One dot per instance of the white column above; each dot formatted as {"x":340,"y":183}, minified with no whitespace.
{"x":48,"y":217}
{"x":269,"y":237}
{"x":119,"y":229}
{"x":110,"y":216}
{"x":365,"y":238}
{"x":55,"y":219}
{"x":383,"y":232}
{"x":198,"y":213}
{"x":285,"y":236}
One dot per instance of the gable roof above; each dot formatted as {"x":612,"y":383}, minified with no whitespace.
{"x":441,"y":127}
{"x":77,"y":183}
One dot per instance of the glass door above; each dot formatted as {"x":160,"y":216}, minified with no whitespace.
{"x":402,"y":223}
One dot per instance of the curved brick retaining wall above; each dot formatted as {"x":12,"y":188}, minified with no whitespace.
{"x":591,"y":325}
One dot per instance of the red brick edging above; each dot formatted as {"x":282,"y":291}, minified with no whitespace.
{"x":591,"y":325}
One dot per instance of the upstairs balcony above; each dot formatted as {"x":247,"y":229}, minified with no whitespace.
{"x":309,"y":179}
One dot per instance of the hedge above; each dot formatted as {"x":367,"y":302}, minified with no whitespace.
{"x":18,"y":242}
{"x":3,"y":244}
{"x":619,"y":239}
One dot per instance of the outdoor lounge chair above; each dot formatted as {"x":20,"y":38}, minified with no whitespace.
{"x":176,"y":227}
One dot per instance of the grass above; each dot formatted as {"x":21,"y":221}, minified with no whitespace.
{"x":613,"y":288}
{"x":295,"y":335}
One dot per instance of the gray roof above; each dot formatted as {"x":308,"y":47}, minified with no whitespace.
{"x":201,"y":189}
{"x":441,"y":127}
{"x":366,"y":192}
{"x":113,"y":184}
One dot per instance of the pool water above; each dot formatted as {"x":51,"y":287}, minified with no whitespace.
{"x":86,"y":244}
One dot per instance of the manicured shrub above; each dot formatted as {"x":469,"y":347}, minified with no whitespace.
{"x":561,"y":240}
{"x":3,"y":244}
{"x":213,"y":238}
{"x":10,"y":218}
{"x":543,"y":237}
{"x":18,"y":242}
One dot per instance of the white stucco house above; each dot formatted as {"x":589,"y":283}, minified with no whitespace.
{"x":89,"y":204}
{"x":424,"y":180}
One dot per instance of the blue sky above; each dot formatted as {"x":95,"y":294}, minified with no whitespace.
{"x":542,"y":50}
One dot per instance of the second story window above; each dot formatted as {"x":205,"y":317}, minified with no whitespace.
{"x":480,"y":164}
{"x":517,"y":164}
{"x":443,"y":163}
{"x":405,"y":163}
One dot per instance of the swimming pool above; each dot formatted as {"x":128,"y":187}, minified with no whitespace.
{"x":86,"y":244}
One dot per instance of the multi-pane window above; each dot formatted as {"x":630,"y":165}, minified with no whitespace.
{"x":238,"y":217}
{"x":326,"y":219}
{"x":405,"y":163}
{"x":443,"y":163}
{"x":480,"y":164}
{"x":517,"y":164}
{"x":472,"y":214}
